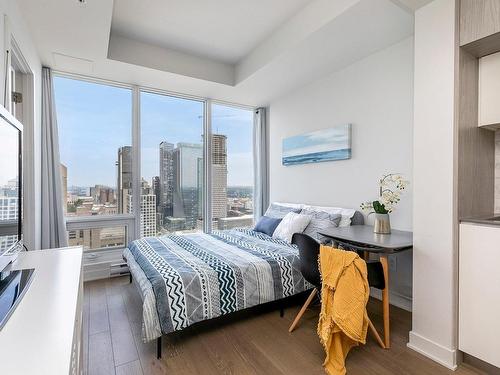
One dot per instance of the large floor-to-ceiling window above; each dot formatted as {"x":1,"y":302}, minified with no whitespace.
{"x":123,"y":147}
{"x":172,"y":167}
{"x":95,"y":145}
{"x":232,"y":166}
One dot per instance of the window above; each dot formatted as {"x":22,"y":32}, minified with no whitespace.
{"x":95,"y":144}
{"x":102,"y":183}
{"x":171,"y":164}
{"x":232,"y":167}
{"x":98,"y":238}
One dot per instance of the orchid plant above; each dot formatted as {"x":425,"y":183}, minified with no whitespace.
{"x":390,"y":188}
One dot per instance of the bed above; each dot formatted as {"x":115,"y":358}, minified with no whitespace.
{"x":184,"y":279}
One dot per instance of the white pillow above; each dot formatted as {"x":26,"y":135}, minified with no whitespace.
{"x":290,"y":224}
{"x":347,"y":213}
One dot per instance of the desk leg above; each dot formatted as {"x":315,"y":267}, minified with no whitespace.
{"x":385,"y":302}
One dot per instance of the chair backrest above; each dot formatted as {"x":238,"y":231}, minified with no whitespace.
{"x":309,"y":266}
{"x":308,"y":256}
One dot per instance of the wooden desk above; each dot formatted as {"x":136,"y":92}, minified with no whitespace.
{"x":362,"y":238}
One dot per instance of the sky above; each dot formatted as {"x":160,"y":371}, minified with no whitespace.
{"x":95,"y":120}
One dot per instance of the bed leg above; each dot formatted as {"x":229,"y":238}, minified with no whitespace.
{"x":282,"y":310}
{"x":158,"y":348}
{"x":130,"y":278}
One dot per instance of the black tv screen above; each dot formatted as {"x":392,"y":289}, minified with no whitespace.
{"x":10,"y":186}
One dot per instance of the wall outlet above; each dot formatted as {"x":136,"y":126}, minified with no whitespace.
{"x":393,"y":263}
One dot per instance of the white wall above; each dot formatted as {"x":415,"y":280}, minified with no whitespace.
{"x":434,"y":330}
{"x":16,"y":27}
{"x":376,"y":96}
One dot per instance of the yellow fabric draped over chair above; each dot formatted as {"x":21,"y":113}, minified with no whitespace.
{"x":343,"y":321}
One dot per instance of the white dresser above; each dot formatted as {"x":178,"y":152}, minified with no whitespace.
{"x":43,"y":335}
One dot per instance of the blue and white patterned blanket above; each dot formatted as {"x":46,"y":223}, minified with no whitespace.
{"x":201,"y":276}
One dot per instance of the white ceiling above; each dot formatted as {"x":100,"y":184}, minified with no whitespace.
{"x":413,"y":4}
{"x":221,"y":49}
{"x":221,"y":30}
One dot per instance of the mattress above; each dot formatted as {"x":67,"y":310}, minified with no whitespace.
{"x":184,"y":279}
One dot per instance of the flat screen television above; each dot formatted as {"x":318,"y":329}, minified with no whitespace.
{"x":11,"y":193}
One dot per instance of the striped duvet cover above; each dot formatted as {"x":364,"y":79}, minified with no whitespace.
{"x":188,"y":278}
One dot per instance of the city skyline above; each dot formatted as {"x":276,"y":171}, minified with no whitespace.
{"x":165,"y":148}
{"x":96,"y":154}
{"x":97,"y":125}
{"x":171,"y":201}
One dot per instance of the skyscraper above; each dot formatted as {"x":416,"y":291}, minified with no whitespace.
{"x":166,"y":179}
{"x":155,"y":182}
{"x":9,"y":200}
{"x":9,"y":211}
{"x":219,"y":176}
{"x":148,"y":215}
{"x":124,"y":183}
{"x":186,"y":192}
{"x":102,"y":194}
{"x":148,"y":210}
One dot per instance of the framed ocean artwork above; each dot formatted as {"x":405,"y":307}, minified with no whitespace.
{"x":318,"y":146}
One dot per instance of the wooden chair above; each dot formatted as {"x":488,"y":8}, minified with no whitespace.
{"x":308,"y":255}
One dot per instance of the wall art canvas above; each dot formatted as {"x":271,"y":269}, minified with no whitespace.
{"x":318,"y":146}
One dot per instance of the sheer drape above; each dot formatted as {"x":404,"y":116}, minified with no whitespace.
{"x":53,"y":225}
{"x":261,"y":156}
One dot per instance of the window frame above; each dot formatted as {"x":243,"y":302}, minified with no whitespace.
{"x":132,"y":221}
{"x":76,"y":223}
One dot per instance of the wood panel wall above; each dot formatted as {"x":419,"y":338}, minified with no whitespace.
{"x":480,"y":26}
{"x":476,"y":146}
{"x":478,"y":19}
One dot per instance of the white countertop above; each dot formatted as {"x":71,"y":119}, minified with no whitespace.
{"x":38,"y":337}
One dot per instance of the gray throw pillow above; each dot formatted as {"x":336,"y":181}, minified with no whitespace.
{"x":277,"y":211}
{"x":320,"y":222}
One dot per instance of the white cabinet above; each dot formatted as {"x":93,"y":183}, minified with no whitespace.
{"x":479,"y":292}
{"x":489,"y":91}
{"x":43,"y":335}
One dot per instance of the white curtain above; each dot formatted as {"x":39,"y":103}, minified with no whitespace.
{"x":53,"y":225}
{"x":261,"y":158}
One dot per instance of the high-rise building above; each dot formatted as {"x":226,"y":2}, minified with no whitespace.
{"x":9,"y":201}
{"x":156,"y":187}
{"x":124,"y":183}
{"x":166,"y":179}
{"x":97,"y":238}
{"x":148,"y":214}
{"x":186,"y":188}
{"x":155,"y":183}
{"x":200,"y":187}
{"x":102,"y":194}
{"x":9,"y":208}
{"x":219,"y":176}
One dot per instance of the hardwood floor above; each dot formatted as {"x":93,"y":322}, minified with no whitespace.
{"x":249,"y":342}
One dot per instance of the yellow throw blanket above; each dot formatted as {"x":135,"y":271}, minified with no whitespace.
{"x":343,"y":321}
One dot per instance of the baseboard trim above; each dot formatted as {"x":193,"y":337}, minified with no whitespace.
{"x":396,"y":299}
{"x":480,"y":364}
{"x":446,"y":357}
